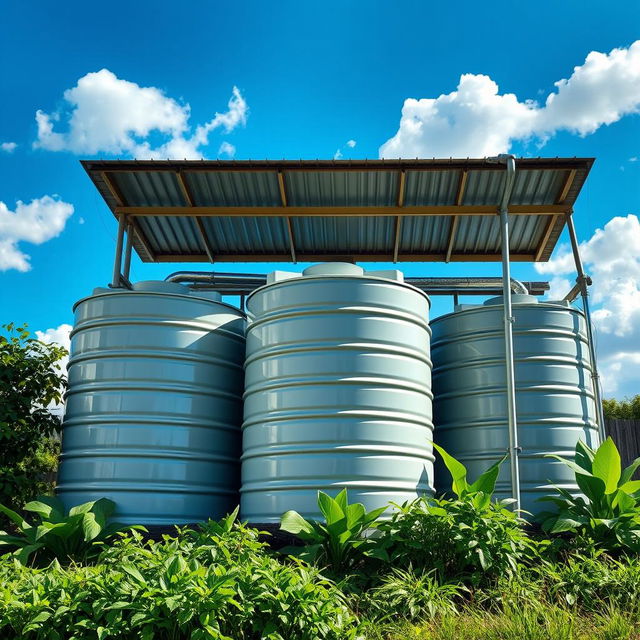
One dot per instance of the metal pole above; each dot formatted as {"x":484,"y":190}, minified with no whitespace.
{"x":512,"y":418}
{"x":127,"y":252}
{"x":583,"y":281}
{"x":115,"y":282}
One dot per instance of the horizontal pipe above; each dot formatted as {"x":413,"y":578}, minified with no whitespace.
{"x":245,"y":283}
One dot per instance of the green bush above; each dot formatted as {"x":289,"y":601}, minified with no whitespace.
{"x":30,"y":380}
{"x":627,"y":409}
{"x":66,"y":536}
{"x":469,"y":537}
{"x":336,"y":543}
{"x":609,"y":512}
{"x":218,"y":582}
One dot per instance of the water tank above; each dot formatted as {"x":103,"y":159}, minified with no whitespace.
{"x":154,"y":405}
{"x":554,"y":394}
{"x":337,"y":392}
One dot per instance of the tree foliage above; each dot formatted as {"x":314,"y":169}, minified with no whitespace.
{"x":627,"y":409}
{"x":30,"y":381}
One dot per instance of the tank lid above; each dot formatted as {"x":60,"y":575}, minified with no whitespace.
{"x":516,"y":298}
{"x":334,"y":269}
{"x":208,"y":295}
{"x":159,"y":286}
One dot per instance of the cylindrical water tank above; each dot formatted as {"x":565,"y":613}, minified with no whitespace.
{"x":337,"y":392}
{"x":154,"y":404}
{"x":554,"y":394}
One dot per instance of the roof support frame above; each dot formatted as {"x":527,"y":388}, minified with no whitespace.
{"x":430,"y":210}
{"x":282,"y":187}
{"x":583,"y":281}
{"x":402,"y":177}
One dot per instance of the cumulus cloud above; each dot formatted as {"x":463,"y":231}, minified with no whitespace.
{"x":477,"y":120}
{"x":105,"y":114}
{"x":612,"y":258}
{"x":227,"y":149}
{"x":61,"y":336}
{"x":8,"y":147}
{"x":36,"y":222}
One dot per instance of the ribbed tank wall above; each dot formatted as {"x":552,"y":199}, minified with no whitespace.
{"x":154,"y":405}
{"x":337,"y":394}
{"x":554,"y":394}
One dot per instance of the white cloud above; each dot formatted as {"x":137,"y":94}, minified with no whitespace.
{"x":105,"y":114}
{"x":476,"y":120}
{"x":227,"y":149}
{"x":349,"y":144}
{"x":9,"y":147}
{"x":612,"y":257}
{"x":60,"y":335}
{"x":40,"y":220}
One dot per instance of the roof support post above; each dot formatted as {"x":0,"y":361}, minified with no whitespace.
{"x":512,"y":419}
{"x":582,"y":282}
{"x":127,"y":252}
{"x":117,"y":263}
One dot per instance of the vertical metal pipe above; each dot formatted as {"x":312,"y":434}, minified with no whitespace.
{"x":117,"y":263}
{"x":127,"y":252}
{"x":512,"y":419}
{"x":583,"y":281}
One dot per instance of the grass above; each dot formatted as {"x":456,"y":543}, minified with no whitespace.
{"x":537,"y":622}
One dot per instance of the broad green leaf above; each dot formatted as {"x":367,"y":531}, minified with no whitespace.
{"x":630,"y":487}
{"x":342,"y":500}
{"x":132,"y":571}
{"x":57,"y":508}
{"x":81,"y":508}
{"x":293,"y":522}
{"x":624,"y":502}
{"x":330,"y":508}
{"x":627,"y":474}
{"x":103,"y":508}
{"x":566,"y":523}
{"x":90,"y":528}
{"x":606,"y":465}
{"x":355,"y":514}
{"x":457,"y":470}
{"x":584,"y":456}
{"x":40,"y":508}
{"x":14,"y":517}
{"x":373,"y":515}
{"x":486,"y":482}
{"x":23,"y":554}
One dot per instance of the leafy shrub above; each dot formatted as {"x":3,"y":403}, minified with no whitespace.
{"x":338,"y":542}
{"x":469,"y":537}
{"x":30,"y":380}
{"x":218,"y":582}
{"x":627,"y":409}
{"x":610,"y":514}
{"x":67,"y":537}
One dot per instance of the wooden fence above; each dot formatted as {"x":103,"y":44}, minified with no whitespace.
{"x":626,"y":435}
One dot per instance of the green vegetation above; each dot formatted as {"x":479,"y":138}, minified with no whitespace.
{"x":66,"y":537}
{"x":338,"y":542}
{"x":609,"y":513}
{"x":627,"y":409}
{"x":218,"y":582}
{"x":30,"y":380}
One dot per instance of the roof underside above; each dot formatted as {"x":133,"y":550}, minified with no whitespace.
{"x":376,"y":210}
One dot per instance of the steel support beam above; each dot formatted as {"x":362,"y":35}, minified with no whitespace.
{"x":512,"y":418}
{"x":117,"y":263}
{"x":126,"y":270}
{"x":583,"y":281}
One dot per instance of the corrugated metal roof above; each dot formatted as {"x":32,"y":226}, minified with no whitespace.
{"x":386,"y":210}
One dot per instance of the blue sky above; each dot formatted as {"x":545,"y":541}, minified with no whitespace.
{"x":310,"y":78}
